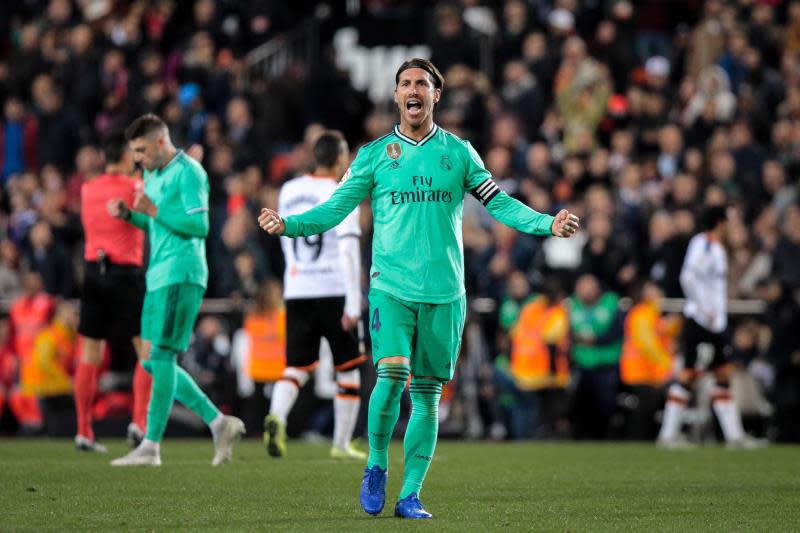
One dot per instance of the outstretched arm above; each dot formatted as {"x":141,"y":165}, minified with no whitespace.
{"x":478,"y":181}
{"x":354,"y":187}
{"x":517,"y":215}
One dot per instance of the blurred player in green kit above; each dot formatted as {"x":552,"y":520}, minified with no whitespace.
{"x":174,"y":211}
{"x":417,"y":176}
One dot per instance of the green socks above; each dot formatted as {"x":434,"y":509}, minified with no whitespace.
{"x":192,"y":396}
{"x":161,"y":396}
{"x":172,"y":382}
{"x":384,"y":409}
{"x":421,"y":433}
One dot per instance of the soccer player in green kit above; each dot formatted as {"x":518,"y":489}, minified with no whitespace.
{"x":417,"y":176}
{"x":174,"y":211}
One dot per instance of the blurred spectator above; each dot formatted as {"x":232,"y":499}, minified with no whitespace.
{"x":508,"y":251}
{"x":596,"y":327}
{"x":48,"y":257}
{"x":207,"y":357}
{"x":647,"y":359}
{"x":785,"y":266}
{"x":29,"y":314}
{"x":248,"y":149}
{"x":783,"y":317}
{"x":522,"y":93}
{"x":10,"y":279}
{"x":451,"y":41}
{"x":18,"y":140}
{"x":708,"y":39}
{"x":713,"y":101}
{"x":59,"y":130}
{"x":581,"y":91}
{"x":259,"y":352}
{"x":52,"y":363}
{"x":605,"y":257}
{"x":539,"y":365}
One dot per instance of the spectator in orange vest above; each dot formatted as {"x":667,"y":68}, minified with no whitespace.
{"x":539,"y":363}
{"x":259,"y":351}
{"x":30,"y":313}
{"x":52,"y":362}
{"x":647,"y":358}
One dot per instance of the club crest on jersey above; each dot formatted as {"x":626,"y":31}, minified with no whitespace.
{"x":393,"y":151}
{"x":445,"y":163}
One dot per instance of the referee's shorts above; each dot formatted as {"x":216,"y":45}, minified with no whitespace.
{"x":111,"y":301}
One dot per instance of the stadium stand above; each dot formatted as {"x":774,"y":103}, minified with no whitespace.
{"x":634,"y":115}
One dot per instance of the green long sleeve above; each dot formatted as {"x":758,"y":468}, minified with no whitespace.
{"x":517,"y":215}
{"x":140,"y":220}
{"x":330,"y":213}
{"x":189,"y":224}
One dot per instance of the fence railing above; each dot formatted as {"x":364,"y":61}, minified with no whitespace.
{"x":224,"y":306}
{"x":271,"y":59}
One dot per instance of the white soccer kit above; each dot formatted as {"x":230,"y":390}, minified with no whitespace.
{"x":704,"y":283}
{"x":325,"y":265}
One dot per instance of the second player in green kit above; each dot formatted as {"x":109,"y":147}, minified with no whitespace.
{"x":173,"y":209}
{"x":417,"y":176}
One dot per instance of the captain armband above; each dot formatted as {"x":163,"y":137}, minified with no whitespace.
{"x":486,"y":191}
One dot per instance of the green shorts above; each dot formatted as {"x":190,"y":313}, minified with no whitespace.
{"x":428,"y":334}
{"x":169,"y":313}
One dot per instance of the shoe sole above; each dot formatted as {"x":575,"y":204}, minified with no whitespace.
{"x":272,"y":429}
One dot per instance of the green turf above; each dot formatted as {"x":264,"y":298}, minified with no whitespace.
{"x":46,"y":486}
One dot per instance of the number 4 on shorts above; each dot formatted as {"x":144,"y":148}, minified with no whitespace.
{"x":375,"y":323}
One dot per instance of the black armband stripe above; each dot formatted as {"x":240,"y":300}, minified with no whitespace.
{"x":486,"y":191}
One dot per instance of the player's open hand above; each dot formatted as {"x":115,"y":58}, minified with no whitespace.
{"x":271,"y":222}
{"x":117,"y":208}
{"x":143,"y":204}
{"x":565,"y":225}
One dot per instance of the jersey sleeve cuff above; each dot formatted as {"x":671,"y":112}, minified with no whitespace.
{"x":291,"y":226}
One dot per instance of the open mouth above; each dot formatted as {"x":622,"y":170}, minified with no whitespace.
{"x":413,"y":106}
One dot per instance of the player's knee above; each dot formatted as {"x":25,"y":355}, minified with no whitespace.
{"x":348,"y":384}
{"x":393,"y":377}
{"x":351,"y":378}
{"x":296,"y":376}
{"x":425,"y":396}
{"x":92,"y":351}
{"x":678,"y":394}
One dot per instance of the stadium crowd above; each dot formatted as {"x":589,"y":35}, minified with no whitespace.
{"x":635,"y":115}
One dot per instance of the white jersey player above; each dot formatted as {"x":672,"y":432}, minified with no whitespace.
{"x":322,"y":289}
{"x":703,"y":342}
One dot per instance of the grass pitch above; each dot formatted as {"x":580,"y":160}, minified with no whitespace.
{"x":47,"y":486}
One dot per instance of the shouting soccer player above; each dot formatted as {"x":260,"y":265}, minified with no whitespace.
{"x":322,"y":289}
{"x":113,"y":289}
{"x":417,"y":176}
{"x":174,"y":210}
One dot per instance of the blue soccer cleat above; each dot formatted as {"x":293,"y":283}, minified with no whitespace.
{"x":410,"y":507}
{"x":373,"y":490}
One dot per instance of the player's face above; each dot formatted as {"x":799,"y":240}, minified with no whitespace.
{"x":415,"y":96}
{"x":147,"y":152}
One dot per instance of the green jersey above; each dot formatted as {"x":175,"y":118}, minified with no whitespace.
{"x":417,"y":190}
{"x":179,"y":229}
{"x":595,"y":321}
